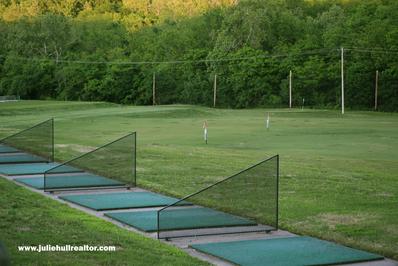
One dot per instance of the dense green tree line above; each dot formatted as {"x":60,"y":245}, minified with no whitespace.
{"x":59,"y":49}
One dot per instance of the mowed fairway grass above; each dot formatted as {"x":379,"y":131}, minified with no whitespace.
{"x":339,"y":174}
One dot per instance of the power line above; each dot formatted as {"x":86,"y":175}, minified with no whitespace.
{"x":374,"y":51}
{"x":210,"y":60}
{"x":312,"y":52}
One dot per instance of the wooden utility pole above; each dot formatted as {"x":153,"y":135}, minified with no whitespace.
{"x":342,"y":80}
{"x":215,"y":91}
{"x":376,"y":88}
{"x":290,"y":89}
{"x":154,"y":89}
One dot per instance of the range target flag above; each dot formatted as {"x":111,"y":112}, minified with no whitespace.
{"x":205,"y":131}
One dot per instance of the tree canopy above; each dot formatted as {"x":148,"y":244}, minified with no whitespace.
{"x":90,"y":49}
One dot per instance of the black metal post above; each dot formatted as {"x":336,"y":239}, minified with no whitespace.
{"x":135,"y":159}
{"x":277,"y":192}
{"x":158,"y":223}
{"x":52,"y":140}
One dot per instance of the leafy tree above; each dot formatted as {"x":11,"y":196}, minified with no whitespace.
{"x":61,"y":49}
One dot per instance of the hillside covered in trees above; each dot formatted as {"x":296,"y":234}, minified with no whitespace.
{"x":109,"y":50}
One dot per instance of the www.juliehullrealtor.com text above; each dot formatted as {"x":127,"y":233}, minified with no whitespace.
{"x":66,"y":248}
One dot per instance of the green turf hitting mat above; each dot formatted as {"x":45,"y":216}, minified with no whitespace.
{"x":32,"y":168}
{"x":179,"y":219}
{"x":20,"y":158}
{"x":69,"y":181}
{"x":287,"y":251}
{"x":7,"y":149}
{"x":121,"y":200}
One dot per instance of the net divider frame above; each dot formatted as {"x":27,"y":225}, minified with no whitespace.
{"x":134,"y":183}
{"x":222,"y":181}
{"x":51,"y":159}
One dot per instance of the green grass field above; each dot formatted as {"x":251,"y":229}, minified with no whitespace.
{"x":27,"y":218}
{"x":338,"y":173}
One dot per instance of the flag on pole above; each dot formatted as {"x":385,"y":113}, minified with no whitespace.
{"x":205,"y":126}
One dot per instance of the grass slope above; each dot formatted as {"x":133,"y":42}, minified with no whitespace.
{"x":338,"y":173}
{"x":27,"y":218}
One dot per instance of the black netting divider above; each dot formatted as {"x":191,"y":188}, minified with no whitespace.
{"x":37,"y":140}
{"x":115,"y":161}
{"x":244,"y":202}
